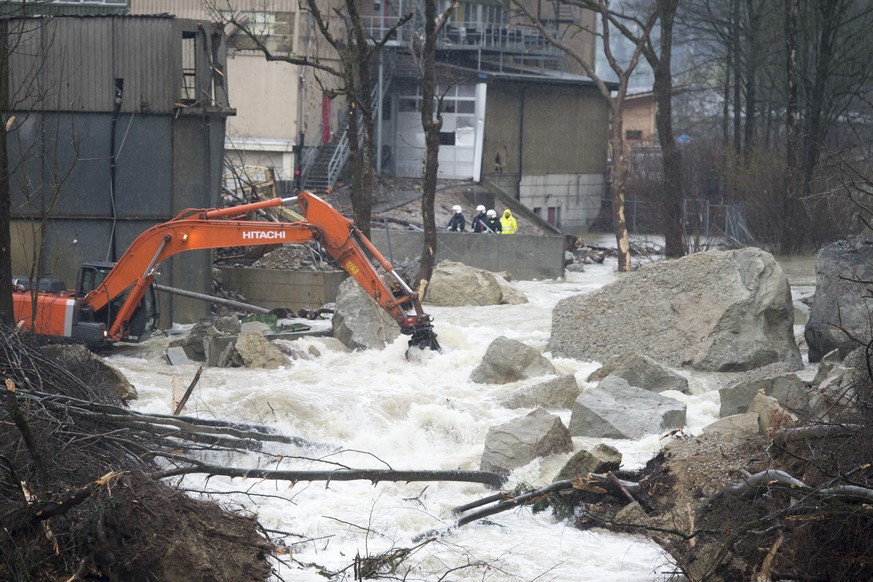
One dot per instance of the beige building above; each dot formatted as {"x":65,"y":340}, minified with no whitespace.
{"x":271,"y":98}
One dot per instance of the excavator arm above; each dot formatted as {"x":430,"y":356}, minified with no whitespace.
{"x":196,"y":229}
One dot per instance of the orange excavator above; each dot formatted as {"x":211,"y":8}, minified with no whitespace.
{"x":115,"y":302}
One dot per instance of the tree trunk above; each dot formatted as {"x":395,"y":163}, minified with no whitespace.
{"x":7,"y":314}
{"x":620,"y":172}
{"x":738,"y":65}
{"x":362,"y":95}
{"x":671,"y":157}
{"x":791,"y":151}
{"x":432,"y":122}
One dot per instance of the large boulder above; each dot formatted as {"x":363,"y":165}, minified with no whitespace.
{"x":521,"y":440}
{"x":643,"y":372}
{"x":839,"y":317}
{"x":615,"y":409}
{"x":714,"y":311}
{"x":359,"y":322}
{"x":453,"y":284}
{"x":558,"y":392}
{"x":734,"y":428}
{"x":508,"y":360}
{"x":601,"y":459}
{"x":257,"y":351}
{"x":773,"y":380}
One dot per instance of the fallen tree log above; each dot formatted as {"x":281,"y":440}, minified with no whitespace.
{"x":822,"y":431}
{"x":372,"y":475}
{"x":763,"y":480}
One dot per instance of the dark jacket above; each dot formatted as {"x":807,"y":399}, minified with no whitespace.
{"x":493,"y":224}
{"x":479,"y":222}
{"x":457,"y":223}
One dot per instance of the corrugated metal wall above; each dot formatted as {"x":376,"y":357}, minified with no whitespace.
{"x":71,"y":63}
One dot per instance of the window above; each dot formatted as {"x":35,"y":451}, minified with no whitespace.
{"x":633,"y":135}
{"x":447,"y":138}
{"x":189,"y":69}
{"x":273,"y":29}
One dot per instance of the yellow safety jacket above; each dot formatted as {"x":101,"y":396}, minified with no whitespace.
{"x":508,"y":225}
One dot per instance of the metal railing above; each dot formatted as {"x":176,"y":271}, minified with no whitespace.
{"x":476,"y":35}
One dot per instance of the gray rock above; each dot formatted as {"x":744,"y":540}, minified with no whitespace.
{"x":508,"y":360}
{"x":615,"y":409}
{"x":176,"y":356}
{"x":829,"y":365}
{"x":784,"y":386}
{"x":772,"y":416}
{"x":841,"y":301}
{"x":359,"y":322}
{"x":521,"y":440}
{"x":713,"y":311}
{"x":256,"y":351}
{"x":195,"y":342}
{"x":643,"y":372}
{"x":453,"y":284}
{"x":735,"y":427}
{"x":600,"y":459}
{"x":557,"y":393}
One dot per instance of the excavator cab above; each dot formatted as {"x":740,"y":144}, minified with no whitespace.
{"x":145,"y":317}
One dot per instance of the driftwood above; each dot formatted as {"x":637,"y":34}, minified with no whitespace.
{"x":187,"y":395}
{"x":607,"y":484}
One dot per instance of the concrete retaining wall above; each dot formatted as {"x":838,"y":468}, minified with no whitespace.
{"x":272,"y":288}
{"x":524,"y":257}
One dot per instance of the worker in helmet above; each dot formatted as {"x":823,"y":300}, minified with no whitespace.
{"x":492,"y":223}
{"x":457,"y":222}
{"x":508,"y":223}
{"x":479,"y":220}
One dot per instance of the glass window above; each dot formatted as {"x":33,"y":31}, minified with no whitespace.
{"x":466,"y":107}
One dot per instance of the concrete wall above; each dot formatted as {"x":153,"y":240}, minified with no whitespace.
{"x":272,"y":288}
{"x":524,"y":257}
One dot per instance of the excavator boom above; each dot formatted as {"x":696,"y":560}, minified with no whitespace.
{"x":196,"y":229}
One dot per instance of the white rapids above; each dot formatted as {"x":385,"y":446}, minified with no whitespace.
{"x":373,"y":409}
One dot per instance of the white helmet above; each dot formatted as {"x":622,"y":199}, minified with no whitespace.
{"x":456,"y":208}
{"x":480,"y":208}
{"x":492,"y":213}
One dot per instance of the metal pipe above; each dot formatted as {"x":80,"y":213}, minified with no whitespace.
{"x":211,"y":299}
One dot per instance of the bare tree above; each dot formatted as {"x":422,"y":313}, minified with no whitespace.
{"x":669,"y":206}
{"x":431,"y":122}
{"x":7,"y":314}
{"x":350,"y":75}
{"x":615,"y":98}
{"x":16,"y":33}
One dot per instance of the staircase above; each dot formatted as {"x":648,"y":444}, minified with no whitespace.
{"x":317,"y":177}
{"x":321,"y":170}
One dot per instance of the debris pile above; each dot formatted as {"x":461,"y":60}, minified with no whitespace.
{"x":81,"y":497}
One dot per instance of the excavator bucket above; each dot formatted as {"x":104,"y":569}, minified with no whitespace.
{"x":423,"y":338}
